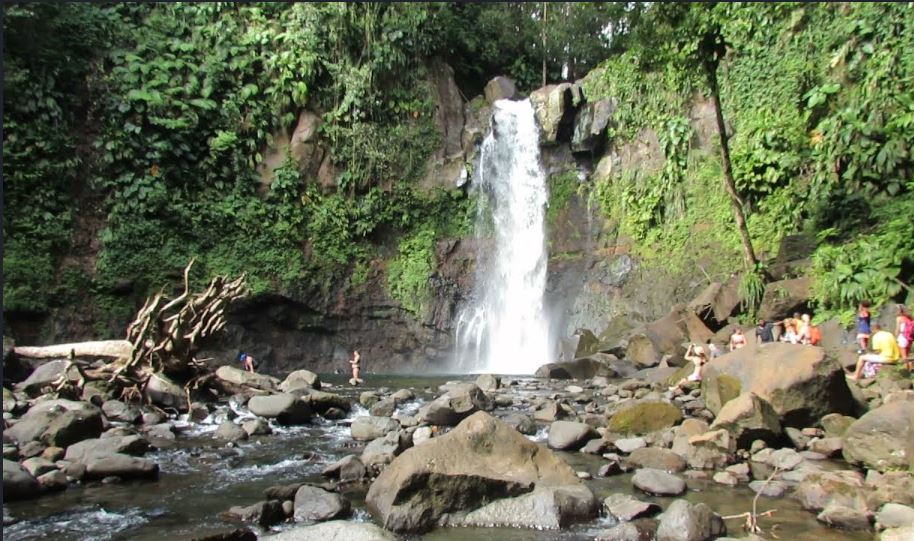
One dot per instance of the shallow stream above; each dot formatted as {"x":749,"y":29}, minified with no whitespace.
{"x":200,"y":478}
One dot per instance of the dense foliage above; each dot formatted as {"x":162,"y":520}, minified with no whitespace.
{"x":818,"y":99}
{"x":159,"y":118}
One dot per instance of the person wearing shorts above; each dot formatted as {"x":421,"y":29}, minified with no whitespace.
{"x":904,"y":328}
{"x":863,"y":326}
{"x":885,"y":351}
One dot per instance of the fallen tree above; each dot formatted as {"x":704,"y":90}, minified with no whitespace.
{"x":162,"y":340}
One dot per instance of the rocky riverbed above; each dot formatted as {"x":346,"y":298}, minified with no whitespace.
{"x":596,"y":457}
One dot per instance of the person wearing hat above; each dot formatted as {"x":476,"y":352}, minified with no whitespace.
{"x":699,"y":358}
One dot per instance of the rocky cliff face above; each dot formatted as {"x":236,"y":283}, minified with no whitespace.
{"x":592,"y":277}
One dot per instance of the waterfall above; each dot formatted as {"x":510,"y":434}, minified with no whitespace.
{"x":504,"y":329}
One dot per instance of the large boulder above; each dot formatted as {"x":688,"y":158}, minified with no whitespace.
{"x":286,"y":408}
{"x":43,"y":376}
{"x":657,"y":458}
{"x":322,"y":401}
{"x":583,"y":368}
{"x":464,"y":475}
{"x":455,"y":405}
{"x":569,"y":435}
{"x":237,"y":376}
{"x":800,"y":382}
{"x":784,"y":298}
{"x":370,"y":427}
{"x":165,"y":393}
{"x":30,"y":427}
{"x":123,"y":466}
{"x":748,"y":418}
{"x":658,"y":482}
{"x":644,"y":417}
{"x":500,"y":88}
{"x":684,"y":521}
{"x":590,"y":125}
{"x":314,"y":504}
{"x":554,"y":108}
{"x":335,"y":530}
{"x":883,"y":438}
{"x":128,"y":445}
{"x":18,"y":483}
{"x":717,"y":301}
{"x":649,"y":343}
{"x":73,"y":426}
{"x":300,"y":379}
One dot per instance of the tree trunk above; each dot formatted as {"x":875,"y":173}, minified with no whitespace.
{"x":104,"y":349}
{"x":735,"y":202}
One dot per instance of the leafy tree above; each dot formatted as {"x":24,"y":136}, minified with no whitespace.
{"x":689,"y":36}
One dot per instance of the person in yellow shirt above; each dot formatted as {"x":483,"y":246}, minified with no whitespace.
{"x":885,"y":350}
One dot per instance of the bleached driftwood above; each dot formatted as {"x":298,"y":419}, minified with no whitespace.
{"x":110,"y":350}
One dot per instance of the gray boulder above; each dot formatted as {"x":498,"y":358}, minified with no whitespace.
{"x":455,"y":405}
{"x":658,"y":482}
{"x":266,"y":513}
{"x":846,"y":518}
{"x":590,"y":124}
{"x":641,"y":530}
{"x":488,"y":382}
{"x":835,"y":424}
{"x":127,"y":445}
{"x":38,"y":466}
{"x":256,"y":427}
{"x":554,"y":108}
{"x":123,"y":466}
{"x":626,"y":508}
{"x":806,"y":385}
{"x":883,"y":438}
{"x":286,"y":408}
{"x":893,"y":515}
{"x":230,"y":432}
{"x":748,"y":418}
{"x":569,"y":435}
{"x":683,"y":521}
{"x":313,"y":504}
{"x":43,"y":376}
{"x":115,"y":410}
{"x":583,"y":368}
{"x":18,"y":483}
{"x":300,"y":379}
{"x":347,"y":469}
{"x":481,"y":472}
{"x":237,"y":376}
{"x":658,"y":459}
{"x":73,"y":426}
{"x":336,"y":530}
{"x":383,"y":408}
{"x":500,"y":88}
{"x":369,"y":427}
{"x":30,"y":427}
{"x":898,"y":534}
{"x":321,"y":402}
{"x":382,"y":450}
{"x":163,"y":392}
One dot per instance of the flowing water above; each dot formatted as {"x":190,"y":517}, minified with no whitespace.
{"x":505,"y":329}
{"x":201,"y":478}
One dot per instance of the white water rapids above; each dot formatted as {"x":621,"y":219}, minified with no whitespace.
{"x":504,"y":329}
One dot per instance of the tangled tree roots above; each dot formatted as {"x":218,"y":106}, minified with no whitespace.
{"x":163,"y":338}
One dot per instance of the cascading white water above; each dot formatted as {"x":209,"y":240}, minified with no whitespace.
{"x":505,"y":329}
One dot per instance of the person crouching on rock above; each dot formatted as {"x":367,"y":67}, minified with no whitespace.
{"x":247,"y":361}
{"x":886,"y":352}
{"x":698,"y":357}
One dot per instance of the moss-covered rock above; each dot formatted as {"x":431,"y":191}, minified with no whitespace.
{"x":644,"y":417}
{"x":720,"y":390}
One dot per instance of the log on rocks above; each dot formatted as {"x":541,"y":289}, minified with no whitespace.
{"x":101,"y":349}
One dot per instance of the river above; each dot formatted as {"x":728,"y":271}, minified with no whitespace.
{"x":201,"y":478}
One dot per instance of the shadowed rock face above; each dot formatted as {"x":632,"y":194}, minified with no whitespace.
{"x":465,"y":477}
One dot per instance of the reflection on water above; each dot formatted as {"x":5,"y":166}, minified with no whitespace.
{"x":201,"y":478}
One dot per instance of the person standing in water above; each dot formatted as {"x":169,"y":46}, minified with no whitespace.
{"x":355,"y":362}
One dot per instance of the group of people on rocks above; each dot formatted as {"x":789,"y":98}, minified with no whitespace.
{"x":887,"y":348}
{"x":798,"y":329}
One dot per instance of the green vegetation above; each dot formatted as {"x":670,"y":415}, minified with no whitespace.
{"x":165,"y":117}
{"x":819,"y":102}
